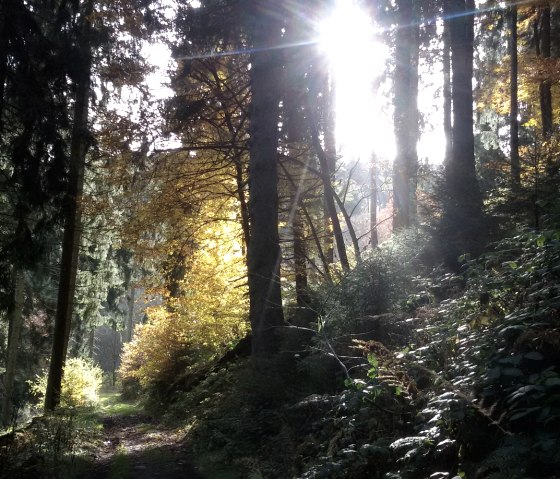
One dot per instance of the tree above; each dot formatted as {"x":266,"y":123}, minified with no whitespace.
{"x":543,"y":50}
{"x":514,"y":110}
{"x":16,"y":323}
{"x":32,"y":156}
{"x":405,"y":94}
{"x":263,"y":255}
{"x":73,"y":210}
{"x":446,"y":66}
{"x":463,"y":206}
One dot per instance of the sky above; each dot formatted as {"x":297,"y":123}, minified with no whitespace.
{"x":363,"y":101}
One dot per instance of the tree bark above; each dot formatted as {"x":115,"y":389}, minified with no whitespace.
{"x":349,"y":225}
{"x":243,"y":207}
{"x":73,"y":216}
{"x":513,"y":111}
{"x":300,"y":259}
{"x":543,"y":50}
{"x":463,"y":209}
{"x":329,"y":115}
{"x":16,"y":324}
{"x":329,"y":196}
{"x":131,"y":301}
{"x":314,"y":233}
{"x":374,"y":240}
{"x":293,"y":118}
{"x":264,"y":256}
{"x":447,"y":124}
{"x":3,"y":56}
{"x":405,"y":166}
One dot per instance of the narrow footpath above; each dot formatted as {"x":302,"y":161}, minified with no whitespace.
{"x":136,"y":446}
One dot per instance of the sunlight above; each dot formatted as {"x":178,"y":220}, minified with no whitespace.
{"x":363,"y":125}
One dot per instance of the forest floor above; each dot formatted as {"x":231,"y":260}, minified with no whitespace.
{"x":117,"y":440}
{"x":133,"y":444}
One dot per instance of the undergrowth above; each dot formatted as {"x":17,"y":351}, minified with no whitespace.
{"x":456,"y":375}
{"x":450,"y":375}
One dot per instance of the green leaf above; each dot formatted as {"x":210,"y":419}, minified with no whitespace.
{"x":534,"y":355}
{"x":523,"y":413}
{"x":372,"y":360}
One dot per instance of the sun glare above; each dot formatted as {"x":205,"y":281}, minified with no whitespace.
{"x":357,"y":60}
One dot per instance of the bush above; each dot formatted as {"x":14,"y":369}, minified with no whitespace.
{"x":81,"y":384}
{"x":382,"y":283}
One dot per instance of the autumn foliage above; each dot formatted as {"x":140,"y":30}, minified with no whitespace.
{"x":187,"y":331}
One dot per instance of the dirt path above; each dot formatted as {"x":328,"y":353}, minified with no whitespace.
{"x":138,"y":447}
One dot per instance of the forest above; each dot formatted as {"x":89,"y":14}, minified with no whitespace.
{"x":263,"y":239}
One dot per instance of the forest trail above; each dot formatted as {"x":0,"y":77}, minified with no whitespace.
{"x":136,"y":445}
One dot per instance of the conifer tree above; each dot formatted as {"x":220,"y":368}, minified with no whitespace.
{"x":263,"y":255}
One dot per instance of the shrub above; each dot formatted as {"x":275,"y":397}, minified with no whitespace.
{"x":382,"y":283}
{"x":188,"y":331}
{"x":81,"y":384}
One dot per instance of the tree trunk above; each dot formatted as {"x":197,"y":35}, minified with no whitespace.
{"x":329,"y":115}
{"x":350,"y":226}
{"x":131,"y":301}
{"x":314,"y":233}
{"x":329,"y":196}
{"x":294,"y":121}
{"x":16,"y":323}
{"x":264,"y":256}
{"x":374,"y":240}
{"x":72,"y":223}
{"x":405,"y":166}
{"x":300,"y":259}
{"x":463,"y":209}
{"x":447,"y":125}
{"x":543,"y":50}
{"x":3,"y":57}
{"x":243,"y":208}
{"x":91,"y":341}
{"x":513,"y":111}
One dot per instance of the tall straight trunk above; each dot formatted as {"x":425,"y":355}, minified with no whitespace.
{"x":374,"y":240}
{"x":462,"y":168}
{"x":3,"y":57}
{"x":464,"y":203}
{"x":313,"y":231}
{"x":293,"y":118}
{"x":328,"y":110}
{"x":91,"y":343}
{"x":131,"y":300}
{"x":349,"y":226}
{"x":300,"y":258}
{"x":263,"y":258}
{"x":447,"y":124}
{"x":15,"y":326}
{"x":73,"y":220}
{"x":405,"y":166}
{"x":329,"y":197}
{"x":243,"y":207}
{"x":543,"y":50}
{"x":513,"y":111}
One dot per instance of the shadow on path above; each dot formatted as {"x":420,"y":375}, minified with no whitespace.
{"x":137,"y":447}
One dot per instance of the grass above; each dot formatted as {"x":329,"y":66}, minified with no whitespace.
{"x":112,"y":404}
{"x":121,"y":465}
